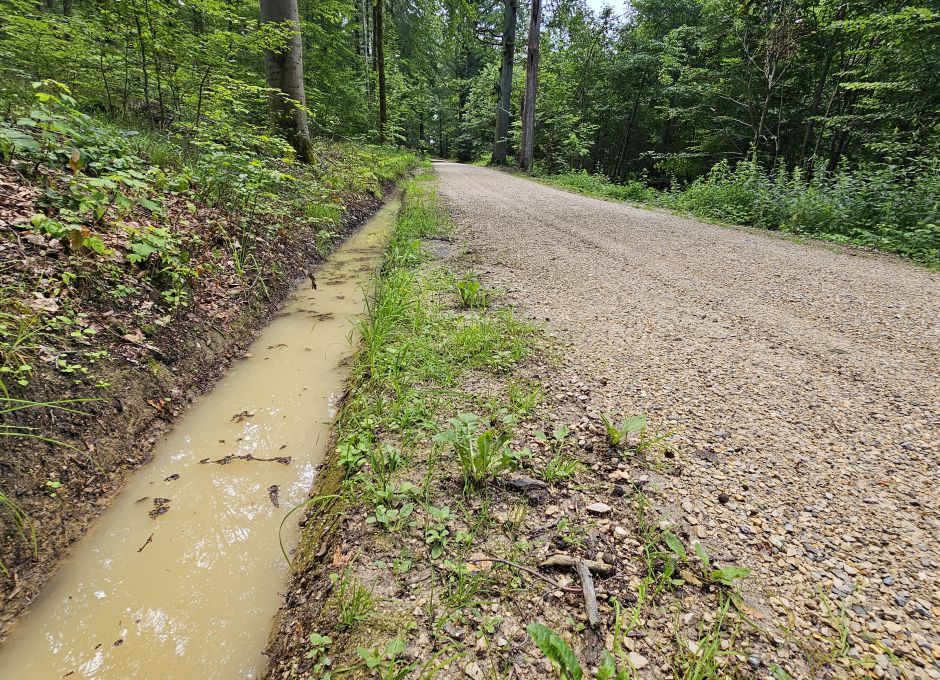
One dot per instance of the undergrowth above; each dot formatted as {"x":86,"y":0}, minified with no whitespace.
{"x":890,"y":208}
{"x":112,"y":234}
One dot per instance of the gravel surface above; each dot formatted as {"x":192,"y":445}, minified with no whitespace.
{"x":802,"y":382}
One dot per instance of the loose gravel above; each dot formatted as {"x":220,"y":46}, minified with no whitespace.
{"x":802,"y":383}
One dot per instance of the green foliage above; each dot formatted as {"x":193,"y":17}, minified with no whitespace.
{"x":319,"y":647}
{"x":598,"y":185}
{"x":557,"y":650}
{"x":21,"y":524}
{"x":471,"y":292}
{"x":436,"y":533}
{"x":560,"y":466}
{"x":354,"y":602}
{"x":892,"y":208}
{"x":481,"y":455}
{"x":724,"y":576}
{"x":617,"y":434}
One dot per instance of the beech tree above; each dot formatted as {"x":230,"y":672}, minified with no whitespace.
{"x":504,"y":90}
{"x":284,"y":71}
{"x":379,"y":35}
{"x":527,"y":146}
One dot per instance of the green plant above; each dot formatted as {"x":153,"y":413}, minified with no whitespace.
{"x":617,"y":434}
{"x":481,"y":455}
{"x":707,"y":658}
{"x":384,"y":662}
{"x":353,"y":601}
{"x":560,"y":467}
{"x":522,"y":400}
{"x":319,"y":646}
{"x":391,"y":518}
{"x":724,"y":576}
{"x":557,"y":651}
{"x":21,"y":523}
{"x":471,"y":292}
{"x":557,"y":442}
{"x":436,"y":534}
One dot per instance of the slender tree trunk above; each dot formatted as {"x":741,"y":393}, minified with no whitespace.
{"x":284,"y":70}
{"x":364,"y":11}
{"x":759,"y":130}
{"x":380,"y":64}
{"x":820,"y":87}
{"x":627,"y":136}
{"x":531,"y":82}
{"x":162,"y":120}
{"x":505,"y":82}
{"x":143,"y":65}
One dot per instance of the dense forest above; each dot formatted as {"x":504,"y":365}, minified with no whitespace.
{"x":832,"y":105}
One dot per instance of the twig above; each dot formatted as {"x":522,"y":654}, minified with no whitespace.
{"x":590,"y":599}
{"x":561,"y":561}
{"x":146,"y":543}
{"x":594,"y":641}
{"x":532,"y":572}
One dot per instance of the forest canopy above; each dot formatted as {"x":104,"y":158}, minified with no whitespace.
{"x":747,"y":103}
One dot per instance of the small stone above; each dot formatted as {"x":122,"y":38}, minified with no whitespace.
{"x":598,"y":508}
{"x":637,"y":660}
{"x":473,"y":670}
{"x":723,"y":498}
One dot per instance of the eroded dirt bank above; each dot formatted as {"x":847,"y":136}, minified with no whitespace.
{"x":801,"y":386}
{"x":146,"y":380}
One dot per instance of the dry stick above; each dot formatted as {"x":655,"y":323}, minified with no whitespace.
{"x":533,"y":572}
{"x":146,"y":543}
{"x":590,"y":599}
{"x":560,"y":561}
{"x":593,"y":642}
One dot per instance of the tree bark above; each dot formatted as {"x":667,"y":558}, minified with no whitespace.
{"x":380,"y":64}
{"x":284,"y":70}
{"x":527,"y":150}
{"x":505,"y":82}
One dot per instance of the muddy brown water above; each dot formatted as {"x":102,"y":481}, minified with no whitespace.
{"x":190,"y":591}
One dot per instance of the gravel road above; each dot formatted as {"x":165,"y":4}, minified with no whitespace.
{"x":803,"y":384}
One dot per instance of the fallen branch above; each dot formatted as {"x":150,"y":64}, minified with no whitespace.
{"x":146,"y":543}
{"x":533,"y":572}
{"x":561,"y":561}
{"x":283,"y":460}
{"x":594,"y":642}
{"x":590,"y":599}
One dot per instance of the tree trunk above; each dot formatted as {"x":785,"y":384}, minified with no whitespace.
{"x":505,"y":82}
{"x":531,"y":82}
{"x":363,"y":9}
{"x":284,"y":70}
{"x":380,"y":64}
{"x":820,"y":87}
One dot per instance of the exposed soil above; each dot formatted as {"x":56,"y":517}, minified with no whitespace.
{"x":800,"y":384}
{"x":511,"y":545}
{"x":149,"y":379}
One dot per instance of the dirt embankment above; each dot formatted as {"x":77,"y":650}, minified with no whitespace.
{"x":144,"y":383}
